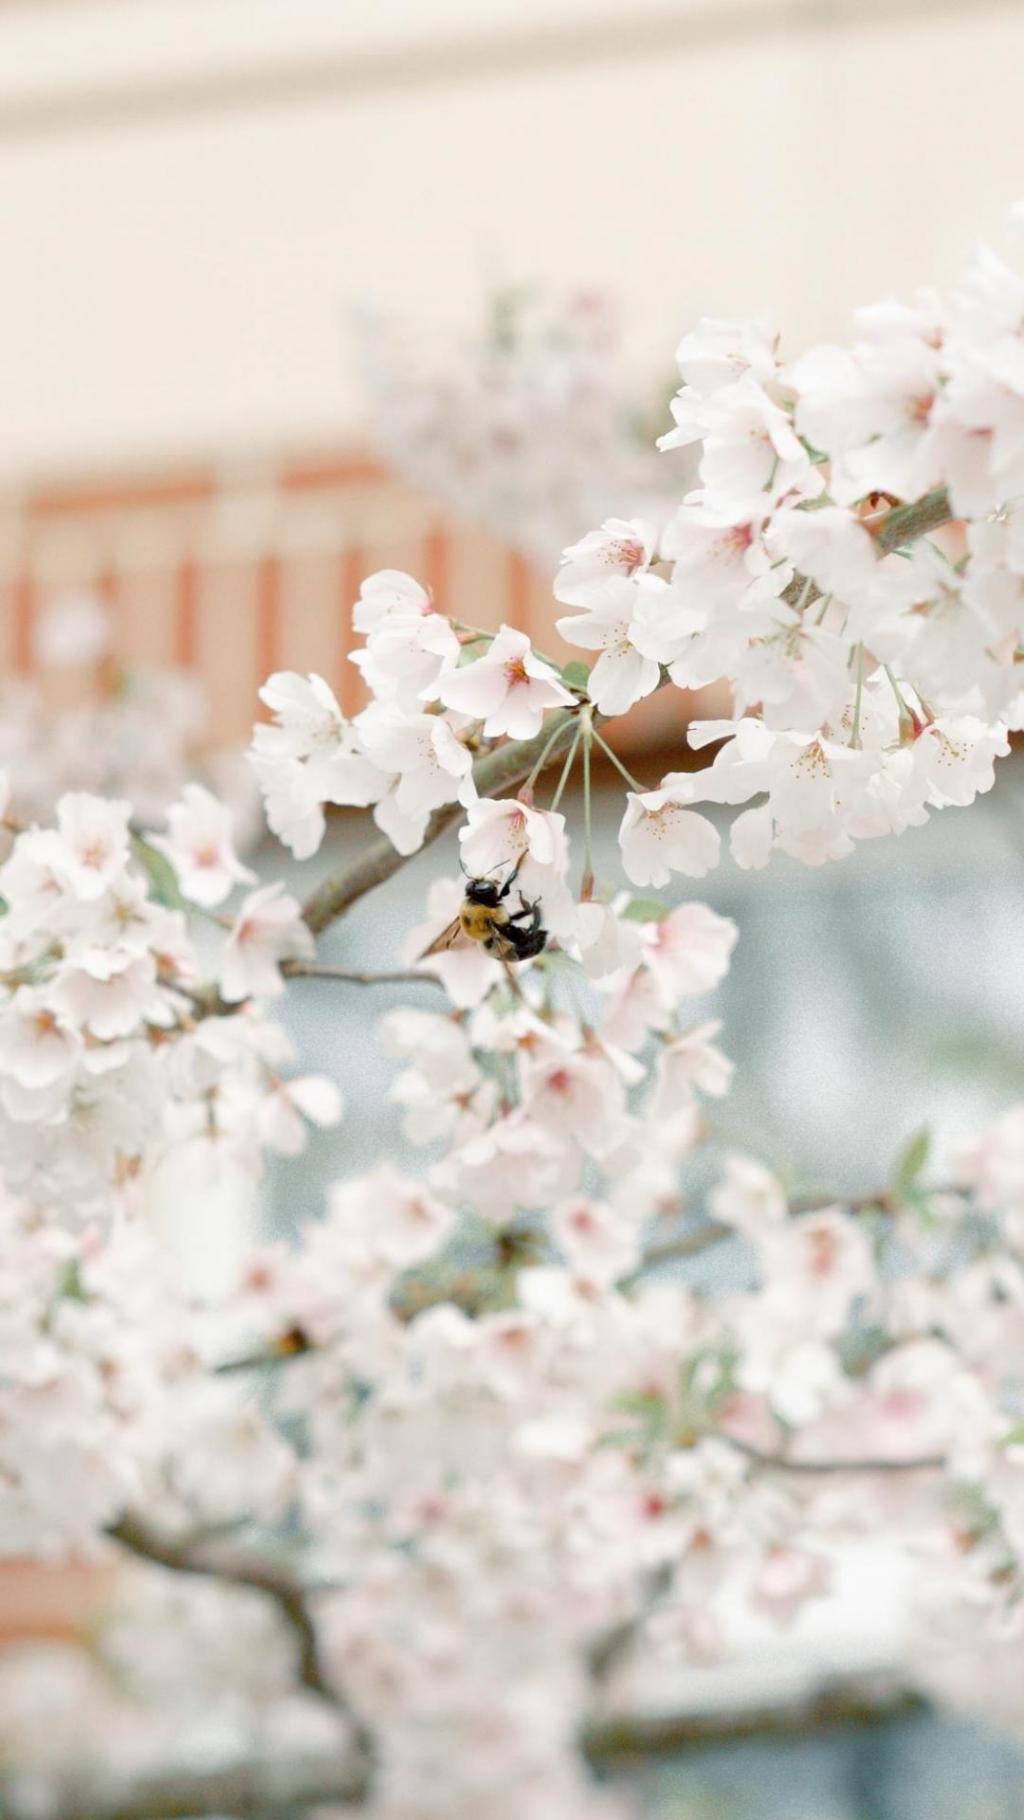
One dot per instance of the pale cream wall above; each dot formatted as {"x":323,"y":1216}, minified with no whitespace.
{"x":192,"y":196}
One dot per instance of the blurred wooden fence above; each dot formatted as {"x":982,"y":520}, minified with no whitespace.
{"x":232,"y":574}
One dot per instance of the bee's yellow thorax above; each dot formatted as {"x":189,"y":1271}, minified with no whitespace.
{"x":480,"y":920}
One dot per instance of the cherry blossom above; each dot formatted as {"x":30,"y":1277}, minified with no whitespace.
{"x":622,"y":674}
{"x":508,"y":689}
{"x":622,"y":548}
{"x":267,"y":930}
{"x":660,"y":834}
{"x":199,"y":844}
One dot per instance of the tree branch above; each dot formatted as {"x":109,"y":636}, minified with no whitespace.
{"x":848,"y":1701}
{"x":906,"y":523}
{"x":496,"y":772}
{"x":252,"y":1789}
{"x":198,"y":1555}
{"x":264,"y":1789}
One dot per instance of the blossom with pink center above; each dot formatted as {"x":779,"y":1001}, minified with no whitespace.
{"x":519,"y":1162}
{"x":39,"y":1047}
{"x":391,"y":1218}
{"x":751,"y":456}
{"x":688,"y":950}
{"x":622,"y":674}
{"x":820,"y":1263}
{"x":870,"y":407}
{"x":595,"y":1240}
{"x":621,"y":549}
{"x":200,"y":846}
{"x":92,"y":845}
{"x":660,"y":834}
{"x":717,"y":352}
{"x":267,"y":930}
{"x":389,"y":594}
{"x":577,"y":1094}
{"x":509,"y":689}
{"x":108,"y":992}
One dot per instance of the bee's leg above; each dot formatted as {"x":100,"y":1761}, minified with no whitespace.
{"x":528,"y":914}
{"x":513,"y":875}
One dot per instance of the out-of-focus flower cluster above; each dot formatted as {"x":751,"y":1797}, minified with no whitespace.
{"x":140,"y":733}
{"x":528,"y":428}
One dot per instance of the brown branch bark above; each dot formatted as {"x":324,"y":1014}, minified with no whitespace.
{"x":906,"y":523}
{"x":265,"y":1789}
{"x":252,"y":1789}
{"x":852,"y":1702}
{"x":216,"y":1561}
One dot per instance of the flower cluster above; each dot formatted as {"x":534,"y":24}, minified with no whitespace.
{"x":873,"y":667}
{"x":510,"y":1437}
{"x":527,"y":428}
{"x":112,"y":1089}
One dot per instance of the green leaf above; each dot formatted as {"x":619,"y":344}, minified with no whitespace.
{"x":910,"y":1163}
{"x":70,"y":1286}
{"x":645,"y":910}
{"x":817,"y":456}
{"x":575,"y":675}
{"x":640,"y":1402}
{"x":163,"y":880}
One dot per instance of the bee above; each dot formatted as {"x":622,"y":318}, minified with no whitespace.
{"x":484,"y":916}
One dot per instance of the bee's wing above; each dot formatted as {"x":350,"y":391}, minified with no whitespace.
{"x":448,"y":938}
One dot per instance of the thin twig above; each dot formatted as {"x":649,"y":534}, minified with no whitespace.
{"x":778,"y":1462}
{"x":683,"y":1245}
{"x":314,"y":970}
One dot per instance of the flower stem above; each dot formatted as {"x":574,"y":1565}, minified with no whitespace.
{"x":855,"y":735}
{"x":541,"y":761}
{"x":566,"y":768}
{"x":906,"y":717}
{"x":617,"y":762}
{"x":587,"y":881}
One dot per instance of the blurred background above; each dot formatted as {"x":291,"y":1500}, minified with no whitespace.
{"x":292,"y":293}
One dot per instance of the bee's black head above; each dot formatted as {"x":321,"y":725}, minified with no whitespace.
{"x":482,"y":891}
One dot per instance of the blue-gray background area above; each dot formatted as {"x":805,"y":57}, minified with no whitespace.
{"x":865,"y":998}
